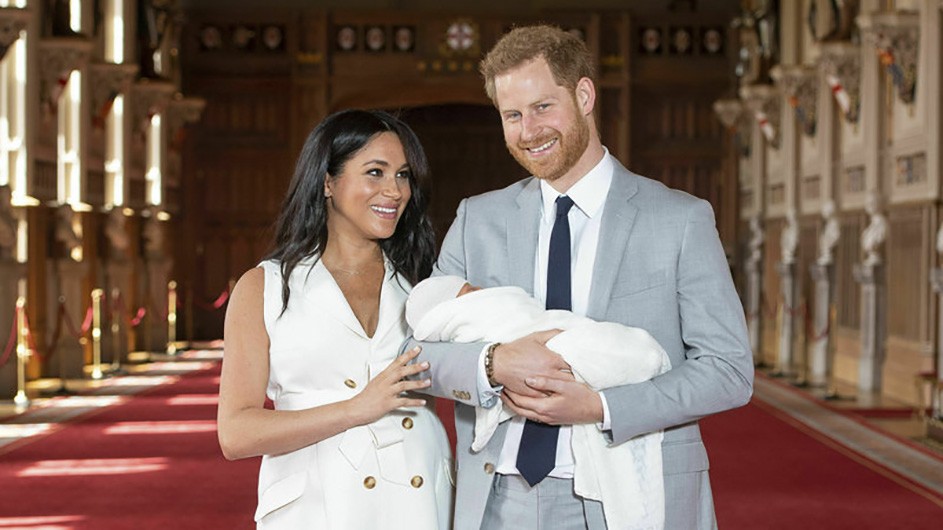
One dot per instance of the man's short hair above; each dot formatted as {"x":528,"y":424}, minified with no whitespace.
{"x":566,"y":54}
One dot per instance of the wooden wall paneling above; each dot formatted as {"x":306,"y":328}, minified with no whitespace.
{"x":38,"y":220}
{"x":609,"y":35}
{"x":464,"y":161}
{"x":911,"y":301}
{"x":847,"y":255}
{"x":806,"y":254}
{"x":907,"y":274}
{"x":848,"y":297}
{"x":772,"y":292}
{"x":676,"y":137}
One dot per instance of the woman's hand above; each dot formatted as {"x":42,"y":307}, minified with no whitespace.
{"x":384,"y":392}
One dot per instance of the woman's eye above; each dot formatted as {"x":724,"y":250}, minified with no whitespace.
{"x":403,"y":175}
{"x":376,"y":172}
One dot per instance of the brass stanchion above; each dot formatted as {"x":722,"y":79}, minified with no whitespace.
{"x":97,"y":334}
{"x":22,"y":355}
{"x":172,"y":318}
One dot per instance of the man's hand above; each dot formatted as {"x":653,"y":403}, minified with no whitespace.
{"x":527,"y":357}
{"x":561,"y":402}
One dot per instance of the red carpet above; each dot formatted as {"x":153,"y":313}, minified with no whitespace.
{"x":154,"y":463}
{"x":151,"y":463}
{"x":769,"y":472}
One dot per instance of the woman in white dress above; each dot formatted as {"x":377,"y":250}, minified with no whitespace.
{"x":316,"y":328}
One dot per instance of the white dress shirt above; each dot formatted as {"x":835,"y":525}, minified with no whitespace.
{"x":589,"y":198}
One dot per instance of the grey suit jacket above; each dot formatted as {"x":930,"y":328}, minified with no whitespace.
{"x":659,"y":266}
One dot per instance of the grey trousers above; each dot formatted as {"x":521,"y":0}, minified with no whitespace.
{"x":550,"y":505}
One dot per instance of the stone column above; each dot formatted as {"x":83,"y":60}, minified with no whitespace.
{"x":158,"y":274}
{"x":754,"y":309}
{"x":10,"y":274}
{"x":788,"y":242}
{"x":157,"y":266}
{"x":786,"y":324}
{"x":65,"y":278}
{"x":754,"y":303}
{"x":821,"y":359}
{"x":873,"y":325}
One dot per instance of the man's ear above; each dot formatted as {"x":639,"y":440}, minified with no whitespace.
{"x":586,"y":95}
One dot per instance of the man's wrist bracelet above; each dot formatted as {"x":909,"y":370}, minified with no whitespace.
{"x":489,"y":364}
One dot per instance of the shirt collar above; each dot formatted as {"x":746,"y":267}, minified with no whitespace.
{"x":588,"y":194}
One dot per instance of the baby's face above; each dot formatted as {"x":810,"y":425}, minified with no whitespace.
{"x":467,"y":288}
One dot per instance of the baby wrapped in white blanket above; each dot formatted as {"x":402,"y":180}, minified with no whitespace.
{"x":626,"y":478}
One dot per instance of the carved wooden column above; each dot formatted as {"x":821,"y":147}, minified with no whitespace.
{"x":58,"y":58}
{"x":763,"y":101}
{"x":895,"y":36}
{"x":798,"y":84}
{"x":106,"y":82}
{"x":731,"y":113}
{"x":841,"y":64}
{"x":11,"y":274}
{"x":870,"y":273}
{"x":147,"y":98}
{"x":12,"y":22}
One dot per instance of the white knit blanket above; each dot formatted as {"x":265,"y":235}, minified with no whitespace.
{"x":626,"y":478}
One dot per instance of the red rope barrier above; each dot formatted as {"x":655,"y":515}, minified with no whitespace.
{"x":136,"y":321}
{"x":86,"y":323}
{"x":29,"y":336}
{"x":215,"y":304}
{"x":133,"y":321}
{"x":11,"y":341}
{"x":55,"y":336}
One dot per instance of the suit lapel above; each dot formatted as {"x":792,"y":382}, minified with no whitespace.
{"x":392,"y":301}
{"x":618,"y":219}
{"x":522,"y":231}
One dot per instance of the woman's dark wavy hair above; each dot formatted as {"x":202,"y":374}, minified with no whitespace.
{"x":301,"y":228}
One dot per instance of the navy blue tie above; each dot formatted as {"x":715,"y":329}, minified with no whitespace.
{"x":537,"y":454}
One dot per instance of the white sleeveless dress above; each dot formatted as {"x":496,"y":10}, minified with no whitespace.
{"x":395,"y":473}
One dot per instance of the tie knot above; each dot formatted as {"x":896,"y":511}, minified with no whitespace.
{"x":564,"y":204}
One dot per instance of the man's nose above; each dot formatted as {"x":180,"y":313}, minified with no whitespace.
{"x":530,"y":128}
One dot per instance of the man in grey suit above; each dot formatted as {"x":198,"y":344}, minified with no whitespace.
{"x":583,"y":234}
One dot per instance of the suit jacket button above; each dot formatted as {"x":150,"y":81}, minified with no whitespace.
{"x":350,"y":383}
{"x":407,"y":423}
{"x":369,"y":483}
{"x":416,"y":481}
{"x":489,"y":468}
